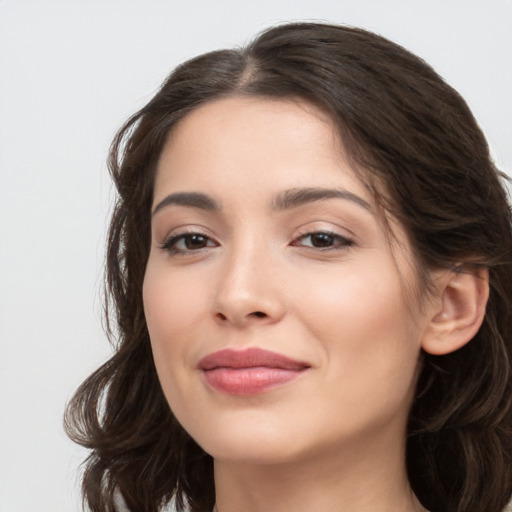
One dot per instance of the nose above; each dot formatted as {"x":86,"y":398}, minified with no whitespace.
{"x":248,"y":291}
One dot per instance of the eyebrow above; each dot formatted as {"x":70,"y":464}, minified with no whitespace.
{"x":190,"y":199}
{"x":286,"y":200}
{"x":296,"y":197}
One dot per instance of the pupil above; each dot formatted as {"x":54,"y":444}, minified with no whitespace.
{"x":195,"y":242}
{"x":321,"y":240}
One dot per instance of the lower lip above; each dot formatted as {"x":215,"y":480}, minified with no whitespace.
{"x":249,"y":381}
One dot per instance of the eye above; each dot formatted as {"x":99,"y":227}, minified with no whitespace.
{"x":187,"y":242}
{"x":323,"y":240}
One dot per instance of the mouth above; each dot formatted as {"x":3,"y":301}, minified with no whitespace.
{"x":249,"y":372}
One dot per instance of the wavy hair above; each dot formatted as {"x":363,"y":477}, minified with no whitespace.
{"x":420,"y":151}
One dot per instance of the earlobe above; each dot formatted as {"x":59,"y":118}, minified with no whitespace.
{"x":459,"y":310}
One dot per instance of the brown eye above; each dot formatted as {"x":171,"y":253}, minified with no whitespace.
{"x":323,"y":240}
{"x":187,"y":242}
{"x":192,"y":242}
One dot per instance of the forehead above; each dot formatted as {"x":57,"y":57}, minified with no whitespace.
{"x":272,"y":142}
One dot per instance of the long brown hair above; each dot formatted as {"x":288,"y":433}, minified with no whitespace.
{"x":413,"y":136}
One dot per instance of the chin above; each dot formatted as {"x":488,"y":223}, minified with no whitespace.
{"x":262,"y":445}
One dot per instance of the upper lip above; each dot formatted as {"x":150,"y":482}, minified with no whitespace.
{"x":249,"y":358}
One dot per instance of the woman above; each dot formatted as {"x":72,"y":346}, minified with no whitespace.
{"x":309,"y":270}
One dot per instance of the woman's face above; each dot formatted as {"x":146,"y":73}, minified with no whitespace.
{"x":277,"y":312}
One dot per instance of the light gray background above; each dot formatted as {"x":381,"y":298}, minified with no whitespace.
{"x":70,"y":73}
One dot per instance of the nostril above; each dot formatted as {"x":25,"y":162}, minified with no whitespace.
{"x":256,"y":314}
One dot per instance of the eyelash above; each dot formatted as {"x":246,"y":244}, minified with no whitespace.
{"x":338,"y":242}
{"x":170,"y":243}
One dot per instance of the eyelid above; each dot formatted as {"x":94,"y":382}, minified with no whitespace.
{"x":184,"y":229}
{"x":346,"y":241}
{"x":179,"y":234}
{"x":340,"y":241}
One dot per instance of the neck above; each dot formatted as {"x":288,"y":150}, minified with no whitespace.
{"x":358,"y":479}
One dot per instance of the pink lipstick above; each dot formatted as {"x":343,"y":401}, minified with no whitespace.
{"x":249,"y":372}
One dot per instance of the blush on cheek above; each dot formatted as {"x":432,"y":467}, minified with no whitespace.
{"x":171,"y":305}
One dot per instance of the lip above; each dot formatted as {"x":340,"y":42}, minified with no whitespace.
{"x":249,"y":372}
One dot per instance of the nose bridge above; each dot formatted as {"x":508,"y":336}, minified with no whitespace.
{"x":246,"y":290}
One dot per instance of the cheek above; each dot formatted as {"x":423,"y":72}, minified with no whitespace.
{"x":358,"y":300}
{"x":370,"y":356}
{"x":172,"y":303}
{"x":365,"y":327}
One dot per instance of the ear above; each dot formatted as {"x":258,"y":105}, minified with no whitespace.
{"x":458,"y":311}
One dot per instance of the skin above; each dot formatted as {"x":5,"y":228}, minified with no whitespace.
{"x":332,"y":439}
